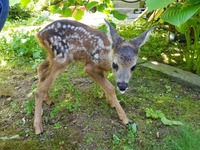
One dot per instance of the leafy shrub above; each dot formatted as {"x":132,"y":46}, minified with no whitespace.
{"x":17,"y":13}
{"x":21,"y":44}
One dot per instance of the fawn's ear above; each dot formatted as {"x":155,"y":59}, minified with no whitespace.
{"x":113,"y":36}
{"x":141,"y":39}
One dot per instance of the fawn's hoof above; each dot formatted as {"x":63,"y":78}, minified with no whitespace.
{"x":125,"y":121}
{"x":38,"y":129}
{"x":112,"y":105}
{"x":49,"y":102}
{"x":40,"y":135}
{"x":130,"y":122}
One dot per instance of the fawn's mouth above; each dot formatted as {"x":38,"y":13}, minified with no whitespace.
{"x":122,"y":92}
{"x":122,"y":87}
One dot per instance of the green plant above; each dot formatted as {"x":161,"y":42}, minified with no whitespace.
{"x":15,"y":107}
{"x":116,"y":139}
{"x":57,"y":125}
{"x":155,"y":114}
{"x":97,"y":91}
{"x":185,"y":138}
{"x":74,"y":7}
{"x":132,"y":133}
{"x":89,"y":138}
{"x":64,"y":105}
{"x":39,"y":19}
{"x":126,"y":142}
{"x":29,"y":107}
{"x":21,"y":44}
{"x":184,"y":15}
{"x":16,"y":12}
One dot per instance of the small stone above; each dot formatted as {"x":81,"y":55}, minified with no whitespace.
{"x":9,"y":99}
{"x":157,"y":134}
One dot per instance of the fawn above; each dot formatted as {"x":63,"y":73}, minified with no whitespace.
{"x":66,"y":41}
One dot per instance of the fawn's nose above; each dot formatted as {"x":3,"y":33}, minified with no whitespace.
{"x":122,"y":86}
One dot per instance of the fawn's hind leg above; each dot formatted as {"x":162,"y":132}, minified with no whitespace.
{"x":43,"y":73}
{"x":98,"y":75}
{"x":47,"y":74}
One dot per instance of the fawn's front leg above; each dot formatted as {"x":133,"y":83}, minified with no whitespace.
{"x":98,"y":75}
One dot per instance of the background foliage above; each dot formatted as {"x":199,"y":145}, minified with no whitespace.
{"x":184,"y":15}
{"x":72,"y":8}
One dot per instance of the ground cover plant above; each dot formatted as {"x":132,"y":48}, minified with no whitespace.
{"x":165,"y":110}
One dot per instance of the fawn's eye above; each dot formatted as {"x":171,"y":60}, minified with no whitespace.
{"x":115,"y":66}
{"x":133,"y":68}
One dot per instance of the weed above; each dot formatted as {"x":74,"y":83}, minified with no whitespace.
{"x":116,"y":139}
{"x":29,"y":107}
{"x":126,"y":142}
{"x":89,"y":138}
{"x":66,"y":104}
{"x":57,"y":125}
{"x":154,"y":114}
{"x":55,"y":93}
{"x":16,"y":12}
{"x":41,"y":18}
{"x":132,"y":133}
{"x":21,"y":44}
{"x":97,"y":91}
{"x":15,"y":107}
{"x":61,"y":144}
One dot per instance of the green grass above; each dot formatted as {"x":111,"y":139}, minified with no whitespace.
{"x":184,"y":138}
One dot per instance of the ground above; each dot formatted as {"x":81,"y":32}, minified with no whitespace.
{"x":80,"y":118}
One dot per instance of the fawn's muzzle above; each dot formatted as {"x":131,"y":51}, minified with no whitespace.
{"x":122,"y":86}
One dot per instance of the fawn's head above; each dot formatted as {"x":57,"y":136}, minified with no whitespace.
{"x":125,"y":54}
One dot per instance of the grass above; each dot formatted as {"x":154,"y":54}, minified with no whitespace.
{"x":80,"y":118}
{"x":186,"y":138}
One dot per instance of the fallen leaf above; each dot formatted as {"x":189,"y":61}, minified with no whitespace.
{"x":166,"y":121}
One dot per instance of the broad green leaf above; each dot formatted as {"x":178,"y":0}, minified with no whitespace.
{"x":103,"y":28}
{"x":179,"y":15}
{"x":116,"y":139}
{"x":79,"y":2}
{"x":119,"y":15}
{"x":24,"y":3}
{"x":67,"y":12}
{"x":157,"y":4}
{"x":71,"y":2}
{"x":101,"y":7}
{"x":166,"y":121}
{"x":13,"y":2}
{"x":54,"y":9}
{"x":133,"y":127}
{"x":91,"y":5}
{"x":78,"y":14}
{"x":193,"y":2}
{"x":150,"y":113}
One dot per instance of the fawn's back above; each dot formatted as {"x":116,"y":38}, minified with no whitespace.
{"x":71,"y":40}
